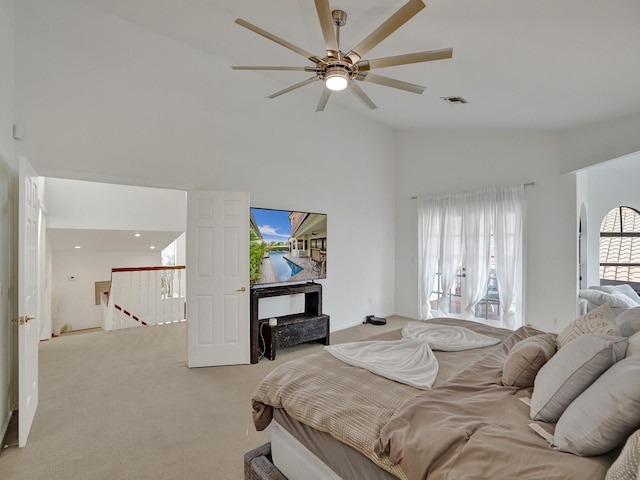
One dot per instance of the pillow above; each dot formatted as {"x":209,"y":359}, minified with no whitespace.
{"x":526,"y":358}
{"x":598,"y":320}
{"x":629,"y":322}
{"x":570,"y":371}
{"x":599,"y":297}
{"x":627,"y":465}
{"x":634,"y":345}
{"x":624,"y":289}
{"x":605,"y":414}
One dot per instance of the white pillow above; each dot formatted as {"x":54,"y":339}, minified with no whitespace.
{"x":614,"y":300}
{"x":605,"y":414}
{"x":570,"y":371}
{"x":634,"y":345}
{"x":629,"y":322}
{"x":624,"y":289}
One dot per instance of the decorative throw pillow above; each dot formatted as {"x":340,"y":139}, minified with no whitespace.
{"x":627,"y":465}
{"x":634,"y":345}
{"x":605,"y":414}
{"x":598,"y":320}
{"x":629,"y":322}
{"x":526,"y":358}
{"x":570,"y":371}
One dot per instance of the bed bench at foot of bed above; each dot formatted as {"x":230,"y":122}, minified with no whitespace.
{"x":258,"y":466}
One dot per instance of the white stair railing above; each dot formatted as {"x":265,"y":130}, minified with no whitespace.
{"x":145,"y":296}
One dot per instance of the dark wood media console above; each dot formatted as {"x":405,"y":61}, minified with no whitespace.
{"x":308,"y":326}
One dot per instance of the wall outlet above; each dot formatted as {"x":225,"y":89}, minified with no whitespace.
{"x":273,"y":322}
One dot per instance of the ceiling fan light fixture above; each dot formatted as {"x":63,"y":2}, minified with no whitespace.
{"x":336,"y":79}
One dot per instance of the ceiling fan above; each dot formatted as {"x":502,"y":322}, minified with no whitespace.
{"x":339,"y":70}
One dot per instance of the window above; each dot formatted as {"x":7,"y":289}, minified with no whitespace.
{"x":488,"y":307}
{"x":468,"y":244}
{"x":620,"y":247}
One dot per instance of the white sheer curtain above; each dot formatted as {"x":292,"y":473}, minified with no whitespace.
{"x":450,"y":246}
{"x":478,"y":210}
{"x":450,"y":225}
{"x":429,"y":215}
{"x":507,"y":233}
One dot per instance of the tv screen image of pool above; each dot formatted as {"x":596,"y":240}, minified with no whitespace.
{"x":287,"y":246}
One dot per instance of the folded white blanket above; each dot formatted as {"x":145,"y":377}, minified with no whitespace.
{"x":448,"y":338}
{"x":406,"y":361}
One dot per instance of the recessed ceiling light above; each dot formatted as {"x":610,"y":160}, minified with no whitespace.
{"x":77,"y":246}
{"x":152,"y":247}
{"x":137,"y":234}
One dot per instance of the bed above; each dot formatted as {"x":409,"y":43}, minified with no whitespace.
{"x":327,"y":419}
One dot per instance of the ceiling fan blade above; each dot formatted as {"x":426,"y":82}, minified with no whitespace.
{"x":395,"y":21}
{"x":257,"y":67}
{"x":293,"y":87}
{"x":324,"y":98}
{"x":278,"y":40}
{"x":406,"y":59}
{"x":326,"y":23}
{"x":390,"y":82}
{"x":357,"y":91}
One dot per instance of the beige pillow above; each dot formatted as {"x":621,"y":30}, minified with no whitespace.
{"x":598,"y":320}
{"x":627,"y":465}
{"x":570,"y":371}
{"x":605,"y":414}
{"x":526,"y":358}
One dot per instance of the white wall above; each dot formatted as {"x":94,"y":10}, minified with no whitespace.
{"x":100,"y":206}
{"x":607,"y":186}
{"x":77,"y":296}
{"x":8,"y":206}
{"x":103,"y":99}
{"x":443,"y":162}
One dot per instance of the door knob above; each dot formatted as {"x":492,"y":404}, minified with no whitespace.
{"x":241,"y":289}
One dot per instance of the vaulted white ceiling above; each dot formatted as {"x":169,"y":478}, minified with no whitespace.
{"x":543,"y":65}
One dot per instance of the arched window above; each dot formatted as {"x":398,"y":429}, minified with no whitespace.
{"x":620,"y":247}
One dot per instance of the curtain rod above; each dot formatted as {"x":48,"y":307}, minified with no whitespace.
{"x":529,"y":184}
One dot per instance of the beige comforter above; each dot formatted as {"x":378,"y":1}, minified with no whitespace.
{"x":468,"y":426}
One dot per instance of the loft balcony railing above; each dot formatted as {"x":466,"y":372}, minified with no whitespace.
{"x":144,"y":296}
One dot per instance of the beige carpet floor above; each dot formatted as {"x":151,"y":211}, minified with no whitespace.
{"x":124,"y":405}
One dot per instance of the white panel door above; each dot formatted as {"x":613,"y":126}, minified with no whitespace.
{"x":217,"y":278}
{"x":28,"y":330}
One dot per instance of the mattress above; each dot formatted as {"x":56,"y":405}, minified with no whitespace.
{"x":301,"y":452}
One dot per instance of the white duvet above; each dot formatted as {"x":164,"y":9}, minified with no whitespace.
{"x":411,"y":360}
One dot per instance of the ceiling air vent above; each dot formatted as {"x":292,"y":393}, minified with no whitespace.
{"x":454,"y":100}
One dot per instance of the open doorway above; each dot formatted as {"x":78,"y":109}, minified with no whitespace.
{"x":605,"y":188}
{"x":92,"y":228}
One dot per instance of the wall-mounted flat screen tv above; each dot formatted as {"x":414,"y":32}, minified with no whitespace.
{"x":287,"y":246}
